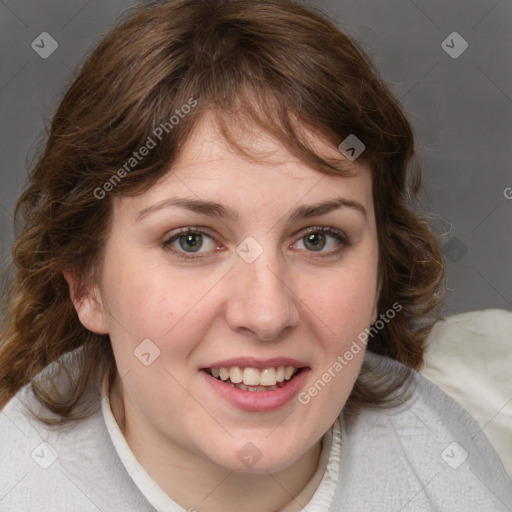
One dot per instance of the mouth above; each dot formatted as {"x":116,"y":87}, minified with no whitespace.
{"x":254,"y":379}
{"x":255,"y":385}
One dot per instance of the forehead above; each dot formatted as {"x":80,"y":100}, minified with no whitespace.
{"x":207,"y":143}
{"x":208,"y":167}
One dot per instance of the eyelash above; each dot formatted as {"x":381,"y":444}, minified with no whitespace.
{"x":185,"y":231}
{"x":341,"y":238}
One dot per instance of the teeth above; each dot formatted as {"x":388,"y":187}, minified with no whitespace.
{"x":268,"y":377}
{"x":250,"y":378}
{"x":235,"y":375}
{"x":243,"y":387}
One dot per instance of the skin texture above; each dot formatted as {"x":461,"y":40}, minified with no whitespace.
{"x":290,"y":302}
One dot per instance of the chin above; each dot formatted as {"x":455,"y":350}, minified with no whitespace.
{"x":248,"y":458}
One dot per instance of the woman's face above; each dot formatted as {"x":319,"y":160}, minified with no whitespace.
{"x":240,"y":268}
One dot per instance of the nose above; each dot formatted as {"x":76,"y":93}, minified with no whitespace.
{"x":261,"y":300}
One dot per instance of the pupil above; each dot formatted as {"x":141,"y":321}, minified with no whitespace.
{"x":191,"y":242}
{"x":315,"y":241}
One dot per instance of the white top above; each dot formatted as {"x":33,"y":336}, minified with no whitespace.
{"x":469,"y":356}
{"x":325,"y":484}
{"x":427,"y":454}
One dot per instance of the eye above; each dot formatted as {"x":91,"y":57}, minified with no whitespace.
{"x":189,"y":241}
{"x":315,"y":241}
{"x":322,"y":240}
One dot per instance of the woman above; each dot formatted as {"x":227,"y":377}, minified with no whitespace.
{"x":221,"y":292}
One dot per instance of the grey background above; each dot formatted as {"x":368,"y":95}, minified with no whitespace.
{"x":461,"y":111}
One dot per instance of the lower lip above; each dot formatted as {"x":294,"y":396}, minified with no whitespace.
{"x":258,"y":401}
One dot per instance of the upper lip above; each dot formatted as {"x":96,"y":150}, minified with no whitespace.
{"x":252,"y":362}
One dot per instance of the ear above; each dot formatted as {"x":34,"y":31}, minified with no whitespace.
{"x":88,"y":305}
{"x":375,"y":311}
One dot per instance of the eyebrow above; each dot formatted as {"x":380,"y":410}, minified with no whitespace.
{"x":317,"y":209}
{"x":213,"y":209}
{"x":210,"y":208}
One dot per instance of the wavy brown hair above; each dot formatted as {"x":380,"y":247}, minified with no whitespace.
{"x":274,"y":64}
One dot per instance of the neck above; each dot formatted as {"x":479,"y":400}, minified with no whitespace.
{"x":198,"y":484}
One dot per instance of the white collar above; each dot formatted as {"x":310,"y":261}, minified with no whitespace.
{"x":325,"y":478}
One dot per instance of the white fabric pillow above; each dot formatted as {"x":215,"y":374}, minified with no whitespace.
{"x":469,"y":356}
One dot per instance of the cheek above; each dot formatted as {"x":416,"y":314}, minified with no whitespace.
{"x":139,"y":302}
{"x":142,"y":296}
{"x":343,"y":301}
{"x":157,"y":303}
{"x":340,"y":311}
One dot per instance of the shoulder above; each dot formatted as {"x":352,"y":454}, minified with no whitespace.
{"x":469,"y":356}
{"x":427,"y":453}
{"x":66,"y":467}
